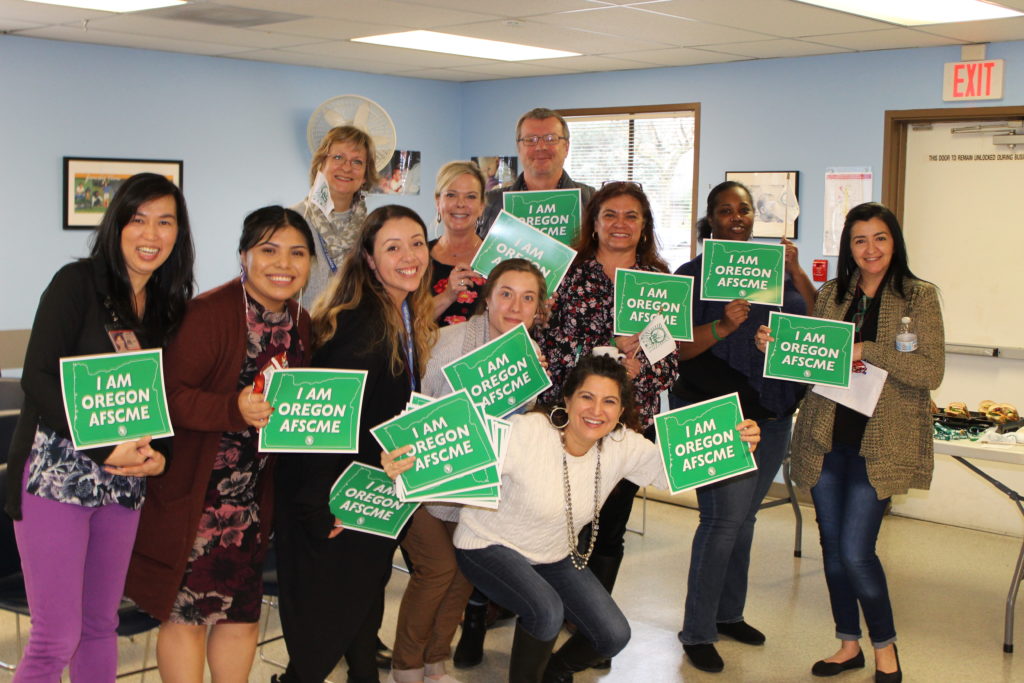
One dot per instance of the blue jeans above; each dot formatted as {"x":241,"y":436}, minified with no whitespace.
{"x":849,"y":516}
{"x":545,"y":595}
{"x":716,"y":590}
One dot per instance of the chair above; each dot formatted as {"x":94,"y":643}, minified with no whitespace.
{"x":8,"y":419}
{"x":132,"y":620}
{"x":11,"y":395}
{"x":271,"y":592}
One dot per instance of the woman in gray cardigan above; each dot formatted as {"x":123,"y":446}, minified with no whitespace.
{"x":855,"y":463}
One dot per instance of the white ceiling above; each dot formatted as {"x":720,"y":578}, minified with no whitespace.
{"x":611,"y":35}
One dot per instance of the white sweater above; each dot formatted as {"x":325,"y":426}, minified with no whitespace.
{"x":531,"y":516}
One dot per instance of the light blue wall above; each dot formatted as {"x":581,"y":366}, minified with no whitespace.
{"x":239,"y":126}
{"x":803,"y":114}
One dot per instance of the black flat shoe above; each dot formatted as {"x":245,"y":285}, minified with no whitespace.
{"x":704,"y":657}
{"x":741,"y":631}
{"x":823,"y":668}
{"x":893,"y":677}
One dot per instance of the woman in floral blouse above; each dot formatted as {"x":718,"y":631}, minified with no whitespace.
{"x":460,"y":203}
{"x":198,"y":558}
{"x":617,"y":231}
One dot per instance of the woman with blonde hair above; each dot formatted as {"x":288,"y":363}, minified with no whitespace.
{"x":376,"y":317}
{"x":346,"y":158}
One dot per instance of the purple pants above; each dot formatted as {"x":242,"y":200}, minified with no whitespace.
{"x":75,"y":560}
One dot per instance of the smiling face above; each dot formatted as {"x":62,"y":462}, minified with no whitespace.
{"x":147,"y":240}
{"x":594,"y":411}
{"x":543,"y":162}
{"x":619,"y":225}
{"x":733,"y":216}
{"x":400,"y":257}
{"x":461,"y":203}
{"x":345,"y":170}
{"x":871,"y":246}
{"x":514,"y":299}
{"x":277,"y":267}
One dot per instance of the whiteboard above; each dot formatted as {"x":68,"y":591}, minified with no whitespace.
{"x":963,"y":219}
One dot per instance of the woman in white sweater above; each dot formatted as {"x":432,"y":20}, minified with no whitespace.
{"x":558,"y":470}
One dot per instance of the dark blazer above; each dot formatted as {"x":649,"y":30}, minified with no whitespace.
{"x":70,"y":321}
{"x":202,"y":365}
{"x":331,"y":589}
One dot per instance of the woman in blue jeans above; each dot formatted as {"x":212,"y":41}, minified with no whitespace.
{"x":559,"y":469}
{"x":722,"y":359}
{"x":854,"y":463}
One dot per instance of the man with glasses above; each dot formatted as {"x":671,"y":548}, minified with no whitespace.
{"x":542,"y":138}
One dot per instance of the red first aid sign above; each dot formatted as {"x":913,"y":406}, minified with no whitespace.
{"x":981,"y":80}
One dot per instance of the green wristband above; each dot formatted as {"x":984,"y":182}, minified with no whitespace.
{"x":714,"y":331}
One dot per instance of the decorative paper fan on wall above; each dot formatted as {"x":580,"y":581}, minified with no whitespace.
{"x":358,"y":111}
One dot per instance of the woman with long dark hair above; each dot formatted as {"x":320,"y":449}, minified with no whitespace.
{"x":852,"y":463}
{"x":377,"y":317}
{"x":76,"y":511}
{"x":198,"y":560}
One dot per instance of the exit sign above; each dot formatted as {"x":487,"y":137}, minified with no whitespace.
{"x":981,"y":80}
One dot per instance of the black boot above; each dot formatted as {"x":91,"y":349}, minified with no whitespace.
{"x":606,"y":569}
{"x":529,"y":657}
{"x":575,"y":655}
{"x":470,"y":650}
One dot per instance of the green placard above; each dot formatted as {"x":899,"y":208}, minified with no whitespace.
{"x":553,"y":212}
{"x":509,"y":237}
{"x":315,"y":411}
{"x":700,"y":444}
{"x":114,"y":397}
{"x":743,"y":270}
{"x":502,"y":375}
{"x":364,"y":499}
{"x":448,"y":437}
{"x":639,"y":294}
{"x":809,"y":350}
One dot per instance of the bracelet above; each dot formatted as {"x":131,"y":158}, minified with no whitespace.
{"x":714,"y":332}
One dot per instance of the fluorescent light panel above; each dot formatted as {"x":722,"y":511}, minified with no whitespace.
{"x":919,"y":12}
{"x":113,"y":5}
{"x":451,"y":44}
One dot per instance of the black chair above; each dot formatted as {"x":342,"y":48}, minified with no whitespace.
{"x":131,"y":620}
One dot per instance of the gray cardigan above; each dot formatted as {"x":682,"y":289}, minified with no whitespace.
{"x":897,"y":442}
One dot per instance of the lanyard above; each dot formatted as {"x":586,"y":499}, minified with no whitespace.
{"x":327,"y":255}
{"x":407,"y":319}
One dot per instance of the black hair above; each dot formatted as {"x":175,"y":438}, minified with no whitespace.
{"x":586,"y":243}
{"x":899,"y":268}
{"x":260,"y":225}
{"x":603,"y":366}
{"x":704,"y":227}
{"x":171,"y":286}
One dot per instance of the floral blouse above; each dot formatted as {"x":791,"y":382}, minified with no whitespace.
{"x":582,"y":317}
{"x":465,"y":302}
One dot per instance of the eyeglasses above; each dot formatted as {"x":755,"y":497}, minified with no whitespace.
{"x":532,"y":140}
{"x":633,"y":183}
{"x":341,"y":159}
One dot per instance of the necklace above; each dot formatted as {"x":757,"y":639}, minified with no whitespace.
{"x":579,"y":560}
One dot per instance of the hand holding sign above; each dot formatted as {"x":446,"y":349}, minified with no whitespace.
{"x":255,"y":410}
{"x":394,"y":462}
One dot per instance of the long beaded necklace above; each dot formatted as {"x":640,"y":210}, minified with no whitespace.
{"x":579,"y":560}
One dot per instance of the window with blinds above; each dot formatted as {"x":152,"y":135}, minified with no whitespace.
{"x":654,"y":146}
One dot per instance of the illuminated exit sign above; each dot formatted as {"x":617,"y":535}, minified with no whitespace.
{"x":981,"y":80}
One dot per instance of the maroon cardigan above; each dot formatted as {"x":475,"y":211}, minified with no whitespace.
{"x":202,"y":365}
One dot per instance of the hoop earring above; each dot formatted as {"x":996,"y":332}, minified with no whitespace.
{"x":551,"y":417}
{"x":619,"y":429}
{"x":593,"y":235}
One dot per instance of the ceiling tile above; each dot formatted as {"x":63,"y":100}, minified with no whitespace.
{"x":590,"y":63}
{"x":519,"y":8}
{"x":529,"y":32}
{"x":783,"y":47}
{"x":886,"y":39}
{"x":991,"y":31}
{"x":45,"y":14}
{"x":331,"y":29}
{"x":414,"y":59}
{"x":783,"y":18}
{"x":678,"y":56}
{"x":77,"y":35}
{"x":413,"y":15}
{"x":140,"y":24}
{"x":324,"y":61}
{"x":444,"y":75}
{"x":621,"y":21}
{"x":15,"y":25}
{"x":517,"y":69}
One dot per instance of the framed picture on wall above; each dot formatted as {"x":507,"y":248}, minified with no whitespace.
{"x":776,"y":206}
{"x":90,"y":184}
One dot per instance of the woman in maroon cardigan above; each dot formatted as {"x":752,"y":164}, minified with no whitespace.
{"x":198,"y":558}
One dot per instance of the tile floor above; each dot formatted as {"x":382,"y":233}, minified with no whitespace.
{"x":948,"y":585}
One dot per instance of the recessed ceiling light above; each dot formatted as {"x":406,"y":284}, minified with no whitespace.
{"x":919,"y":12}
{"x":451,"y":44}
{"x":113,"y":5}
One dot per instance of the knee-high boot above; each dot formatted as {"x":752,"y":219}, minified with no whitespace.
{"x":529,"y":657}
{"x":470,"y":650}
{"x":575,"y":655}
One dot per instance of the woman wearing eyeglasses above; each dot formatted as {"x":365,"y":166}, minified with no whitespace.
{"x":722,"y":359}
{"x":347,"y":159}
{"x":617,"y":231}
